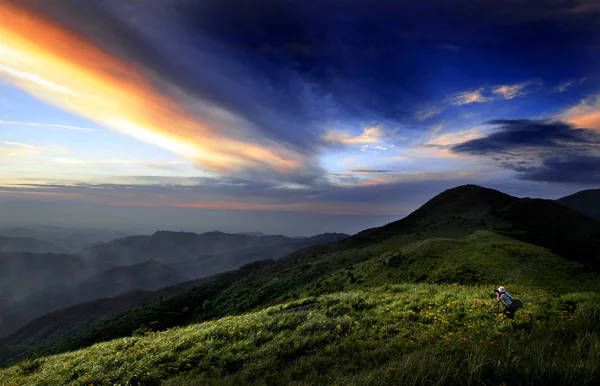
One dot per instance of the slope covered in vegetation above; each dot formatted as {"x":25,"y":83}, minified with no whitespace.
{"x":401,"y":334}
{"x":452,"y":251}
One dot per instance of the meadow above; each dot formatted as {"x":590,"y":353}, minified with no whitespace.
{"x":403,"y":334}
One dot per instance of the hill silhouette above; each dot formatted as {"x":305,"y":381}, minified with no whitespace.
{"x":586,"y":202}
{"x":28,"y":245}
{"x":462,"y":210}
{"x":467,"y":235}
{"x":70,"y":240}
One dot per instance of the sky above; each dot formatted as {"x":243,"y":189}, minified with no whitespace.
{"x":293,"y":117}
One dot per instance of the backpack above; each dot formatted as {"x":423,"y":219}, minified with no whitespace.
{"x":516,"y":303}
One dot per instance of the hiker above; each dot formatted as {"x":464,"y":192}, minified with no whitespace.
{"x":511,"y":305}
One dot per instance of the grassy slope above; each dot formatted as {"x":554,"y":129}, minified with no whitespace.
{"x":396,"y":334}
{"x":453,"y":213}
{"x":431,"y":245}
{"x":483,"y":257}
{"x":337,"y":284}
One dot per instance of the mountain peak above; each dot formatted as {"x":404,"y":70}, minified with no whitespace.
{"x":586,"y":202}
{"x":173,"y":233}
{"x":468,"y":200}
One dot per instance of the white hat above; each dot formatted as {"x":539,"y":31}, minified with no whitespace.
{"x":501,"y":289}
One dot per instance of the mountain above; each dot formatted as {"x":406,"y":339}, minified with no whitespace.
{"x":257,"y":234}
{"x":185,"y":248}
{"x":70,"y":240}
{"x":586,"y":202}
{"x":22,"y":274}
{"x":467,"y":235}
{"x":147,"y":276}
{"x":407,"y":302}
{"x":91,"y":279}
{"x":212,"y":264}
{"x":28,"y":245}
{"x":460,"y":211}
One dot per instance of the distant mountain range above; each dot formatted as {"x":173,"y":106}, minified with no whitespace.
{"x":61,"y":239}
{"x":22,"y":274}
{"x":199,"y":254}
{"x":466,"y":235}
{"x":32,"y":284}
{"x":28,"y":245}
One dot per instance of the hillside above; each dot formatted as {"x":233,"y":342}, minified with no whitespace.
{"x":392,"y":335}
{"x":482,"y":257}
{"x":21,"y":274}
{"x":209,"y":265}
{"x":458,"y":237}
{"x":148,"y":276}
{"x":462,"y":210}
{"x":586,"y":202}
{"x":46,"y":329}
{"x":93,"y":279}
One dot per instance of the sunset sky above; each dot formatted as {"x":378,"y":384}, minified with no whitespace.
{"x":294,"y":117}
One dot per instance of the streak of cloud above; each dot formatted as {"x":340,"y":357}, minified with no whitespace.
{"x":50,"y":125}
{"x":24,"y":145}
{"x":65,"y":70}
{"x":468,"y":97}
{"x":511,"y":91}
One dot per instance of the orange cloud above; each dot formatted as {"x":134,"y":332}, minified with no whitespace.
{"x":59,"y":67}
{"x":468,"y":97}
{"x":510,"y":91}
{"x":585,"y":115}
{"x":369,"y":135}
{"x":455,"y":137}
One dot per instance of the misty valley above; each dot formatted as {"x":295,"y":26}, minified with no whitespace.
{"x":377,"y":307}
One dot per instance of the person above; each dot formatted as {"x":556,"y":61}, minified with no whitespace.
{"x":511,"y":305}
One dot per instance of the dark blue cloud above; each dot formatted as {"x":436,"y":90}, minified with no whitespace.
{"x":526,"y":133}
{"x":543,"y":140}
{"x":570,"y":168}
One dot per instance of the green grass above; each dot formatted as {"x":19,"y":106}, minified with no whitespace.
{"x":382,"y":313}
{"x":407,"y":334}
{"x":481,"y":258}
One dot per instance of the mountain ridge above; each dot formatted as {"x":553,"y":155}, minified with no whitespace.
{"x":454,"y":222}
